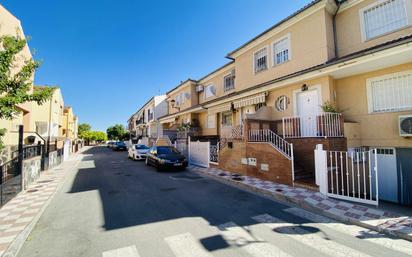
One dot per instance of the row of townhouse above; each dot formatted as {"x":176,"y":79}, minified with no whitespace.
{"x":337,"y":73}
{"x":51,"y":121}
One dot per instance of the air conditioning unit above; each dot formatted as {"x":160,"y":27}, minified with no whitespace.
{"x":199,"y":88}
{"x":405,"y":125}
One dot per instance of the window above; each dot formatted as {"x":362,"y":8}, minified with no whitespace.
{"x":210,"y":91}
{"x":383,"y":17}
{"x":229,"y":82}
{"x":227,"y":119}
{"x":181,"y":98}
{"x":261,"y":60}
{"x":390,"y":93}
{"x":211,"y":121}
{"x":281,"y":51}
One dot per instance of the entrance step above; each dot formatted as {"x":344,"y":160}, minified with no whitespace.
{"x":308,"y":183}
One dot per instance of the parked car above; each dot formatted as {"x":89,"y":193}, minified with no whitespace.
{"x":138,"y":152}
{"x":110,"y":144}
{"x":164,"y":157}
{"x":119,"y":146}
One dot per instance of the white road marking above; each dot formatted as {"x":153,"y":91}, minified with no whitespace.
{"x":306,"y":237}
{"x":399,"y":245}
{"x":239,"y":236}
{"x":129,"y":251}
{"x":186,"y":245}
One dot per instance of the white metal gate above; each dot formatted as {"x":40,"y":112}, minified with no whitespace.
{"x":348,"y":176}
{"x":199,"y":153}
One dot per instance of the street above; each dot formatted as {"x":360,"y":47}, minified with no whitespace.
{"x":113,"y":206}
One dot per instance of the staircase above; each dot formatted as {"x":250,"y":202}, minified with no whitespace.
{"x":268,"y":136}
{"x":163,"y":141}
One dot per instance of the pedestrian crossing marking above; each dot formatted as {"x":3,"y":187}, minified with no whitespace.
{"x":129,"y":251}
{"x":355,"y":231}
{"x":186,"y":245}
{"x":254,"y":246}
{"x":308,"y":238}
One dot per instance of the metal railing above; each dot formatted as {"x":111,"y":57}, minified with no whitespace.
{"x":232,"y":132}
{"x":29,"y":152}
{"x":268,"y":136}
{"x":317,"y":125}
{"x":10,"y":184}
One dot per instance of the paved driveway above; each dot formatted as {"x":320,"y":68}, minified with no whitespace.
{"x":112,"y":206}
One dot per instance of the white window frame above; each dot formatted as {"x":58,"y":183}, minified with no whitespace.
{"x":369,"y":92}
{"x":224,"y":81}
{"x":274,"y":63}
{"x":211,"y":117}
{"x":408,"y":7}
{"x":205,"y":90}
{"x":267,"y":59}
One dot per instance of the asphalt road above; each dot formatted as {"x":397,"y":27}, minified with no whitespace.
{"x":112,"y":206}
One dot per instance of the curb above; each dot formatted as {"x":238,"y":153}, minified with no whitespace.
{"x":16,"y":245}
{"x":304,"y":205}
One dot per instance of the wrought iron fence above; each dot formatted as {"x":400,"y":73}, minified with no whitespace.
{"x":214,"y":153}
{"x":10,"y":180}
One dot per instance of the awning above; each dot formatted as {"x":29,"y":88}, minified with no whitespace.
{"x":168,"y":120}
{"x":221,"y":108}
{"x":250,"y":100}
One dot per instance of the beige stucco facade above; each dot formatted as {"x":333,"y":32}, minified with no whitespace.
{"x":311,"y":65}
{"x":349,"y":26}
{"x":10,"y":25}
{"x":48,"y":117}
{"x":374,"y":129}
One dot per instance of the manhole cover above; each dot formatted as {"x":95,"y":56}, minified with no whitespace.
{"x":32,"y":190}
{"x":186,"y":177}
{"x":222,"y":174}
{"x":237,"y":178}
{"x":279,"y":190}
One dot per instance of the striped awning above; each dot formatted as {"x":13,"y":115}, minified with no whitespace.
{"x":250,"y":100}
{"x":221,"y":108}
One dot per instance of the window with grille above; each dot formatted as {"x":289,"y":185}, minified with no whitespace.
{"x":210,"y":91}
{"x":390,"y":93}
{"x":261,"y":60}
{"x":383,"y":18}
{"x":281,"y":51}
{"x":229,"y":82}
{"x":227,"y":119}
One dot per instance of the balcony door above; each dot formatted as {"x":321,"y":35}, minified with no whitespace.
{"x":307,"y":108}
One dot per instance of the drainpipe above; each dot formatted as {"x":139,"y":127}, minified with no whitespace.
{"x":335,"y":40}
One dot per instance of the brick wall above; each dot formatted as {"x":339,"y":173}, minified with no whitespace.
{"x":230,"y":158}
{"x":303,"y":149}
{"x":279,"y":167}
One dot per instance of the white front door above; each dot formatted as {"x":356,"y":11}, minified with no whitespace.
{"x":307,"y":109}
{"x":387,"y":174}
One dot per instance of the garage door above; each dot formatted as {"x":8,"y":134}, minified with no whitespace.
{"x":387,"y":175}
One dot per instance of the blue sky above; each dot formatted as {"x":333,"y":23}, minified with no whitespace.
{"x":110,"y":56}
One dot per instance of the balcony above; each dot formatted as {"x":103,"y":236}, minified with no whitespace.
{"x":319,"y":125}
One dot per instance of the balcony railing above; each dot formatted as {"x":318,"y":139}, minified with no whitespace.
{"x":232,"y":132}
{"x":319,"y":125}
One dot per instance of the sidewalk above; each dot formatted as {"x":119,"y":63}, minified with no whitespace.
{"x":20,"y":215}
{"x":372,"y":218}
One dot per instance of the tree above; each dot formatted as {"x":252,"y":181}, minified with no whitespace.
{"x":82,"y":129}
{"x":97,"y":136}
{"x":15,"y":86}
{"x":116,"y":132}
{"x":16,"y":82}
